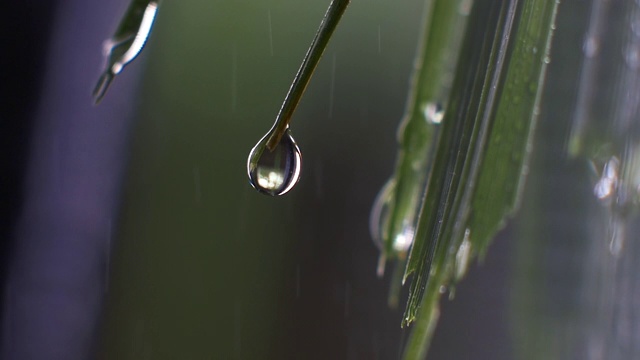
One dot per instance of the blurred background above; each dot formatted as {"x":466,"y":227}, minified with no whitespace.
{"x":131,"y":231}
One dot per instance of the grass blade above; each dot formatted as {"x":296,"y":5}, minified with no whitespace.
{"x":482,"y":150}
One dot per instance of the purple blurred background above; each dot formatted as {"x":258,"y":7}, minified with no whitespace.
{"x":62,"y":164}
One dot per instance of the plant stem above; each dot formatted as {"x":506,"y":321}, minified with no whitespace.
{"x":308,"y":66}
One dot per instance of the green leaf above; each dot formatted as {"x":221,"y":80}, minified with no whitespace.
{"x":504,"y":165}
{"x":481,"y":154}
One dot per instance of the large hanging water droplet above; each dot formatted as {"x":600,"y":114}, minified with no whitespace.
{"x":275,"y":172}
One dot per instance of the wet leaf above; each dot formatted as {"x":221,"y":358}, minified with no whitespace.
{"x":481,"y":155}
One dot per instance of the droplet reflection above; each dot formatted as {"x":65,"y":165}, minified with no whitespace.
{"x":393,"y":244}
{"x":463,"y":255}
{"x":274,"y":172}
{"x":605,"y":187}
{"x":128,"y":42}
{"x":433,"y":112}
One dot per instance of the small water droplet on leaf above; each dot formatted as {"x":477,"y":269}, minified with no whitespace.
{"x":379,"y":219}
{"x":463,"y":256}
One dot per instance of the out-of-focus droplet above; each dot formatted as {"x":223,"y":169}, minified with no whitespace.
{"x":632,"y":57}
{"x":275,"y":172}
{"x":433,"y":112}
{"x":126,"y":44}
{"x":591,"y":47}
{"x":617,"y":236}
{"x":452,"y":292}
{"x":402,"y":241}
{"x":465,"y":7}
{"x":379,"y":223}
{"x":605,"y":187}
{"x":379,"y":218}
{"x":463,"y":255}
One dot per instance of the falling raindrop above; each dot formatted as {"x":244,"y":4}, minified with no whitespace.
{"x":274,"y":172}
{"x":127,"y":43}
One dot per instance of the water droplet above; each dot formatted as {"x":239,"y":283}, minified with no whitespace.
{"x":380,"y":228}
{"x":465,"y":7}
{"x":632,"y":57}
{"x":591,"y":47}
{"x":605,"y":187}
{"x":463,"y":255}
{"x":433,"y":112}
{"x":403,"y":240}
{"x":617,"y":234}
{"x":379,"y":219}
{"x":275,"y":172}
{"x":126,"y":44}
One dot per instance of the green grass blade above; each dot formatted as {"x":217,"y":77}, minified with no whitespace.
{"x":460,"y":130}
{"x":482,"y":151}
{"x":505,"y":162}
{"x":444,"y":23}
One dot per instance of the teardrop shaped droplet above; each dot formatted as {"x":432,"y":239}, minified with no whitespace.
{"x":275,"y":172}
